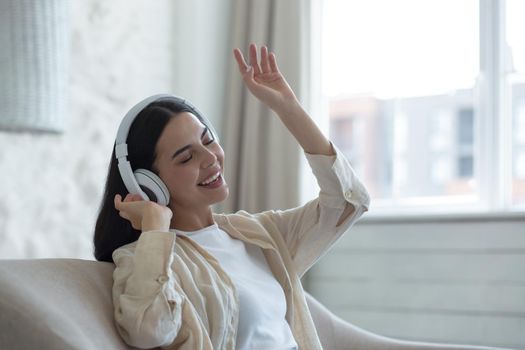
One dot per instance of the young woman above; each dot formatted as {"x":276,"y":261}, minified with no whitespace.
{"x":188,"y":278}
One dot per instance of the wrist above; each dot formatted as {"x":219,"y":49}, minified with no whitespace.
{"x":156,"y":218}
{"x":289,"y":108}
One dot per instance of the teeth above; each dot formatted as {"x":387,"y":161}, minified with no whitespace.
{"x":211,"y":179}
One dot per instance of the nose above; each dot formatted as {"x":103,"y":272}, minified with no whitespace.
{"x":209,"y":158}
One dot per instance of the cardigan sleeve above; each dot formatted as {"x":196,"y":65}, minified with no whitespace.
{"x":145,"y":297}
{"x":310,"y":231}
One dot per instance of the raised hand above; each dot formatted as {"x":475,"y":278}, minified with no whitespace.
{"x":264,"y":80}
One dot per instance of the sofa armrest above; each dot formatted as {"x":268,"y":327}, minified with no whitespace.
{"x":337,"y":334}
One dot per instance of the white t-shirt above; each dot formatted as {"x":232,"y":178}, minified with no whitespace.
{"x":262,"y":309}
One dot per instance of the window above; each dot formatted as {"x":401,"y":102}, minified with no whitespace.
{"x":427,"y":100}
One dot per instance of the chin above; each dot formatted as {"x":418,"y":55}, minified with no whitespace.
{"x":221,"y":197}
{"x":224,"y":195}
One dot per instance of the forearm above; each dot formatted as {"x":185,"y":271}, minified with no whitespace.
{"x":147,"y":302}
{"x":304,"y":129}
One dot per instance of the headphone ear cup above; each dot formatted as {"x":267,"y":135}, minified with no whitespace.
{"x":153,"y":186}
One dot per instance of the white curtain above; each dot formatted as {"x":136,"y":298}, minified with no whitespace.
{"x":262,"y":159}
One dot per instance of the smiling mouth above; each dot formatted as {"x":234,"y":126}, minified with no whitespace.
{"x":214,"y":179}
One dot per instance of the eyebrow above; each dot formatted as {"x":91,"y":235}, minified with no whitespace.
{"x":180,"y":150}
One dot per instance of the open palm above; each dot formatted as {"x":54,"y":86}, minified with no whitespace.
{"x":264,"y":80}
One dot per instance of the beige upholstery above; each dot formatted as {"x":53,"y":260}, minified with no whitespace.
{"x":66,"y":304}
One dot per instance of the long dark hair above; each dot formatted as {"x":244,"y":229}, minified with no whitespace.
{"x":111,"y":230}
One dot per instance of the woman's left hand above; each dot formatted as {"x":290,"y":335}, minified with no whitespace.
{"x":264,"y":80}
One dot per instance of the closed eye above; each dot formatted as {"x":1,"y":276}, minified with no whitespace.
{"x":187,"y":160}
{"x":206,"y":132}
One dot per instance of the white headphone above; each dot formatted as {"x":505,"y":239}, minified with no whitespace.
{"x":142,"y":181}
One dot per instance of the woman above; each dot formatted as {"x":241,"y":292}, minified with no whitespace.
{"x":188,"y":278}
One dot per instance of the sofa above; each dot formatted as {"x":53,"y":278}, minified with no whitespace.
{"x":55,"y":304}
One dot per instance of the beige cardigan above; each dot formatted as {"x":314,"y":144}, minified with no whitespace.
{"x":169,"y":292}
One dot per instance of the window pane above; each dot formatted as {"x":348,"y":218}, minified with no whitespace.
{"x":515,"y":27}
{"x":400,"y":83}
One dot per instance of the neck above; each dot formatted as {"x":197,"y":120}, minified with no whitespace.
{"x":191,"y":219}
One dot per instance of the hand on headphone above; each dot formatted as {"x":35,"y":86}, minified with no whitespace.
{"x":143,"y":215}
